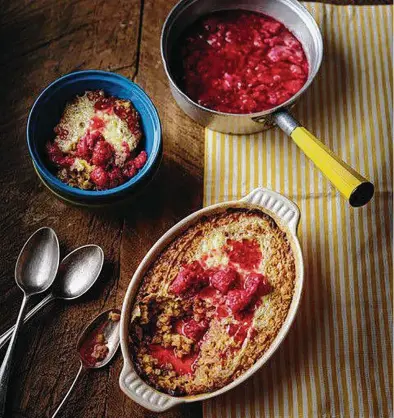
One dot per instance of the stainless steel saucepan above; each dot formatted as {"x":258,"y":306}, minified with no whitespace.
{"x":354,"y":187}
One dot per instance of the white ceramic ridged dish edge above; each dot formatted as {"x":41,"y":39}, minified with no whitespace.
{"x":287,"y":215}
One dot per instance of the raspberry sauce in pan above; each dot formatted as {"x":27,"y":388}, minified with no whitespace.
{"x":239,"y":61}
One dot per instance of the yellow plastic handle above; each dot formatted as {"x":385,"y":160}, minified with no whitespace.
{"x":354,"y":187}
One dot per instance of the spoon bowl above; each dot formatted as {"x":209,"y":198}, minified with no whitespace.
{"x":102,"y":324}
{"x":108,"y":330}
{"x":78,"y":272}
{"x":38,"y":262}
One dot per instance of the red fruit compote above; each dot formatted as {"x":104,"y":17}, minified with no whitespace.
{"x":97,"y":141}
{"x":238,"y":61}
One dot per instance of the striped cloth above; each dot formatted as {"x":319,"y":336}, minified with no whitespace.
{"x":336,"y":360}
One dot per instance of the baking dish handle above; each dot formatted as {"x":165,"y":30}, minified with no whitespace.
{"x":136,"y":389}
{"x":281,"y":206}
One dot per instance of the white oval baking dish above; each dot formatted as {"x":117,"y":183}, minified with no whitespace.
{"x":286,"y":214}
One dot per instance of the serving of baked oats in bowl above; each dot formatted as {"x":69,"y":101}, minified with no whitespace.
{"x":211,"y":301}
{"x":94,"y":137}
{"x":97,"y":142}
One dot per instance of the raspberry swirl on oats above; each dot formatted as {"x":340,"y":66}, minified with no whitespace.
{"x":96,"y":143}
{"x":212,"y":303}
{"x":238,"y":61}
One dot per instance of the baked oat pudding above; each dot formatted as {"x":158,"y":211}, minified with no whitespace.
{"x":212,"y":303}
{"x":97,"y":141}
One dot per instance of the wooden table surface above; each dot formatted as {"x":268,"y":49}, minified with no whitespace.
{"x":40,"y":41}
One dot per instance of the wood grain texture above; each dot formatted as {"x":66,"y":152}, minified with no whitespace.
{"x":46,"y":39}
{"x":42,"y":40}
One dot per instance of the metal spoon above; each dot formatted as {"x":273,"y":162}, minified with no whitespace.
{"x":35,"y":271}
{"x":77,"y":273}
{"x":102,"y":324}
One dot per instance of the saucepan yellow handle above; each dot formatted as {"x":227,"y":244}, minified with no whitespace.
{"x":353,"y":186}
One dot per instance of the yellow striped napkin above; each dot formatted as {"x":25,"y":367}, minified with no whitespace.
{"x":336,"y":360}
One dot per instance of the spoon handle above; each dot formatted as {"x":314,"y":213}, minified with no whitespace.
{"x":81,"y":369}
{"x":5,"y":369}
{"x":7,"y":335}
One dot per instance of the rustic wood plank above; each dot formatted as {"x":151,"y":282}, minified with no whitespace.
{"x":46,"y":39}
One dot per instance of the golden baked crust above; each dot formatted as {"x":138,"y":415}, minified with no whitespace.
{"x":212,"y":302}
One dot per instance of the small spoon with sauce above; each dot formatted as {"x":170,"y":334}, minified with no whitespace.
{"x":96,"y":345}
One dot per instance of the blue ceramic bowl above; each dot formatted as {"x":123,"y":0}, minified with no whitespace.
{"x":46,"y":113}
